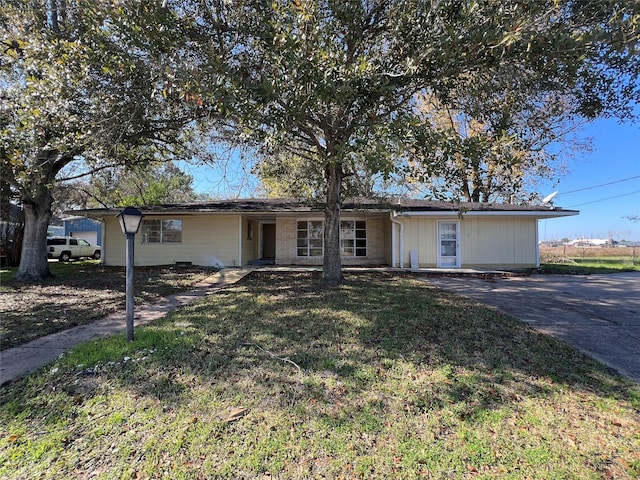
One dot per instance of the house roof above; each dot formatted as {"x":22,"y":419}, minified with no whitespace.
{"x":398,"y":206}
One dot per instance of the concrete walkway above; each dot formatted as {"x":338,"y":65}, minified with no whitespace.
{"x":18,"y":361}
{"x":597,"y":314}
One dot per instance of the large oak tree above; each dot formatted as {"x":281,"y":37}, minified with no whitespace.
{"x":85,"y":85}
{"x":334,"y":82}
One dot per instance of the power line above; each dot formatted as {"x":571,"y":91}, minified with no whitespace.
{"x":598,"y":186}
{"x":603,"y":199}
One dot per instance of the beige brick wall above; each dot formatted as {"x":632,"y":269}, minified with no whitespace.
{"x":286,"y":248}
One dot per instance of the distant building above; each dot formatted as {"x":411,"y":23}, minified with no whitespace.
{"x":591,"y":242}
{"x":83,"y":227}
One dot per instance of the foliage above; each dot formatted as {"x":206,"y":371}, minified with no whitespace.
{"x":83,"y":88}
{"x":334,"y":83}
{"x":149,"y":184}
{"x":493,"y":149}
{"x":384,"y":377}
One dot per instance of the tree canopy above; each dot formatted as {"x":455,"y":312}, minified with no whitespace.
{"x":84,"y":88}
{"x":334,"y":83}
{"x":331,"y":84}
{"x":120,"y":186}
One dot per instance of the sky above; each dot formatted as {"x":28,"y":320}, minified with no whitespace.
{"x":603,"y":184}
{"x":608,"y":180}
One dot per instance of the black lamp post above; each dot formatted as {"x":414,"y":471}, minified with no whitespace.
{"x":130,"y":219}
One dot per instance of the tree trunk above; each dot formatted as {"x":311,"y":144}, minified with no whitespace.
{"x":332,"y":267}
{"x":34,"y":265}
{"x":37,"y":202}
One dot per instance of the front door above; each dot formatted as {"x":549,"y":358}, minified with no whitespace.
{"x":268,"y":241}
{"x":448,"y":244}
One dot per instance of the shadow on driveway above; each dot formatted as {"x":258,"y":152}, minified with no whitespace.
{"x":598,"y":314}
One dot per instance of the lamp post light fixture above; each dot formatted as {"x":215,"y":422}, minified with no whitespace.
{"x":130,"y":219}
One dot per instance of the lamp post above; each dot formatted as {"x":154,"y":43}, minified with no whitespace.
{"x":130,"y":219}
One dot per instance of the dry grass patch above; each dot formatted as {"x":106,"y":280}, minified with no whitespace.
{"x":385,"y":377}
{"x":80,"y":293}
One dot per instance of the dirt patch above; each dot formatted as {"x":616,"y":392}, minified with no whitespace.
{"x":88,"y":293}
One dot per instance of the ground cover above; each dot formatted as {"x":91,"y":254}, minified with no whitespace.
{"x":80,"y":293}
{"x":276,"y":377}
{"x":585,"y":260}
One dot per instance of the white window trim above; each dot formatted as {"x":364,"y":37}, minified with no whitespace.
{"x":161,"y":242}
{"x":439,"y":245}
{"x":307,"y":220}
{"x":316,"y":219}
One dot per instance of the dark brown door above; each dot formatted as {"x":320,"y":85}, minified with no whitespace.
{"x":269,"y":240}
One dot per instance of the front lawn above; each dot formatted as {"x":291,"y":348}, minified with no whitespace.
{"x":80,"y":292}
{"x":276,"y":377}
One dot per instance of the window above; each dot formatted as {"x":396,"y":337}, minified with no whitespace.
{"x":353,"y":238}
{"x":309,"y":239}
{"x":161,"y":231}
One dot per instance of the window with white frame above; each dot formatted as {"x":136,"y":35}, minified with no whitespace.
{"x":310,"y":238}
{"x":353,"y":238}
{"x":161,"y":231}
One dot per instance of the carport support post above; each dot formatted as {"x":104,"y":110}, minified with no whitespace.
{"x":129,"y":284}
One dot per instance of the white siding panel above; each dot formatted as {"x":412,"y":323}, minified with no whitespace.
{"x":206,"y":241}
{"x":420,"y":234}
{"x":113,"y":249}
{"x":498,"y":241}
{"x":489,"y":242}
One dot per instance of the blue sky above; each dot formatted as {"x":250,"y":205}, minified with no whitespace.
{"x":608,"y":178}
{"x":615,"y":158}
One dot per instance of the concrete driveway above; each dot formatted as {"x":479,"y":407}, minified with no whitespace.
{"x":598,"y":314}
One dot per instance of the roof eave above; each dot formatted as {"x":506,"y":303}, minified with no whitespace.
{"x":541,"y":214}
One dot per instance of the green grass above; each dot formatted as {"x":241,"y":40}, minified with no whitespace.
{"x":385,"y":377}
{"x":58,"y":269}
{"x":582,"y":261}
{"x":593,"y":265}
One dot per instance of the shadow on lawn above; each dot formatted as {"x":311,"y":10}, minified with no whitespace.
{"x":381,"y":343}
{"x":252,"y":337}
{"x":81,"y":293}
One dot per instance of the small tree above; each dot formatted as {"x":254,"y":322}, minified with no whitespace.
{"x":149,"y":184}
{"x":495,"y":149}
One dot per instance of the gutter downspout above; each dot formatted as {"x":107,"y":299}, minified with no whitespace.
{"x":239,"y":241}
{"x":103,"y":236}
{"x":537,"y":243}
{"x":103,"y":241}
{"x":392,"y":216}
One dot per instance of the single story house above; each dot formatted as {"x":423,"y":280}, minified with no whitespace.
{"x":405,"y":233}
